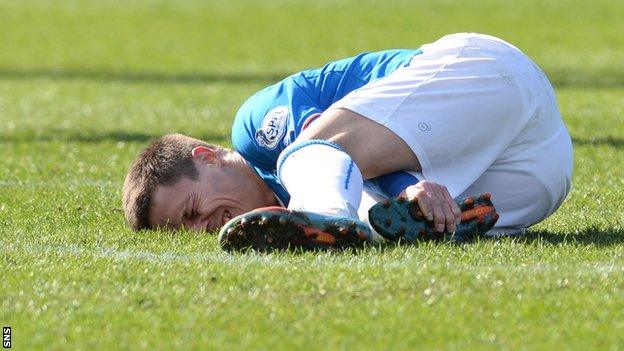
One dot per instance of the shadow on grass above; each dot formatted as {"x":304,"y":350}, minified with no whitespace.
{"x":599,"y":141}
{"x":141,"y":77}
{"x":91,"y":136}
{"x":585,"y":237}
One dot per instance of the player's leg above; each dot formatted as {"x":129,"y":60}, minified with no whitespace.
{"x":531,"y":177}
{"x":320,"y":177}
{"x":279,"y":228}
{"x":469,"y":103}
{"x":325,"y":187}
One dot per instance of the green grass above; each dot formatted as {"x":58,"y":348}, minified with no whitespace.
{"x":84,"y":85}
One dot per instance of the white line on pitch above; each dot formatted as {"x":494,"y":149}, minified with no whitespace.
{"x":225,"y":258}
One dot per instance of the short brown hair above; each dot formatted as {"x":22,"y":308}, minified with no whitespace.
{"x":164,"y":162}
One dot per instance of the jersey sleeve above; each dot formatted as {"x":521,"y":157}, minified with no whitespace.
{"x":272,"y":119}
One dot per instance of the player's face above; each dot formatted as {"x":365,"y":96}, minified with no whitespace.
{"x":205,"y":204}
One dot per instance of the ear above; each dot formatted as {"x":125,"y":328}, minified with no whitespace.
{"x":204,"y":154}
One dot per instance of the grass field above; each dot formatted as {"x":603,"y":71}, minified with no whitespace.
{"x":85,"y":84}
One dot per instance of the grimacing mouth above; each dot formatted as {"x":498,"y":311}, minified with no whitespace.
{"x":225,"y":217}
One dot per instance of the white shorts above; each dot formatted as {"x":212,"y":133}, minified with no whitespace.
{"x":480,"y":116}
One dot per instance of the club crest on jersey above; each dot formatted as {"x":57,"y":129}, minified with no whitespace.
{"x":273,"y":127}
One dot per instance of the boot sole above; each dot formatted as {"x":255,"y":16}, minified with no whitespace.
{"x":277,"y":228}
{"x":399,"y":218}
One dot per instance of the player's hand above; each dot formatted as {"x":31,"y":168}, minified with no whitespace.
{"x":436,"y":204}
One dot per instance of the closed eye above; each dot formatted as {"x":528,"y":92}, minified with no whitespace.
{"x":190,"y":216}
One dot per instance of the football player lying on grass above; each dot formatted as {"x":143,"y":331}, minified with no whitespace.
{"x":388,"y":138}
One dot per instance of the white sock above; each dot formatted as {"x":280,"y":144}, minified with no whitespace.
{"x":321,"y":178}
